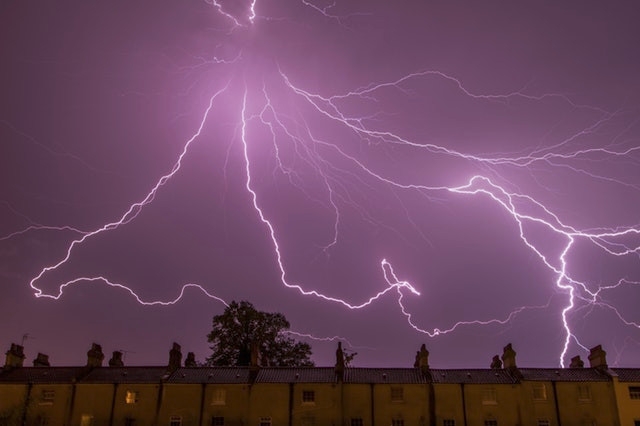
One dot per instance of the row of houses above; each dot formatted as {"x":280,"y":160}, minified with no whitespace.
{"x":186,"y":394}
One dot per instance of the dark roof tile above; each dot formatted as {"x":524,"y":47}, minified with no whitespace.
{"x":564,"y":374}
{"x":496,"y":376}
{"x":627,"y":374}
{"x":210,"y":375}
{"x":41,"y":374}
{"x":126,"y":375}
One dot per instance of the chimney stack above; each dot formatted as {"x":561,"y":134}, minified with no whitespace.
{"x":339,"y":367}
{"x":509,"y":357}
{"x":191,"y":360}
{"x":175,"y":357}
{"x":422,"y":359}
{"x":496,"y":363}
{"x":15,"y":356}
{"x":116,"y":359}
{"x":576,"y":362}
{"x":95,"y":356}
{"x":41,"y":360}
{"x":598,"y":357}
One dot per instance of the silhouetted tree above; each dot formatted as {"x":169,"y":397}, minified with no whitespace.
{"x":241,"y":327}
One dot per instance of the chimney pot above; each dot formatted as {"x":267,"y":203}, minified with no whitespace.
{"x":15,"y":356}
{"x":598,"y":357}
{"x":175,"y":357}
{"x":191,"y":360}
{"x":576,"y":362}
{"x":42,"y":360}
{"x":116,"y":359}
{"x":95,"y":356}
{"x":509,"y":357}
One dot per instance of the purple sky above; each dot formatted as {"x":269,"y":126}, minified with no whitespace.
{"x":489,"y":151}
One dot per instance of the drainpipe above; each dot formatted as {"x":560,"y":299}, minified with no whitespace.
{"x":464,"y":405}
{"x":555,"y":400}
{"x":204,"y":385}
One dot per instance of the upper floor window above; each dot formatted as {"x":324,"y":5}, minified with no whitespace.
{"x":175,"y":421}
{"x":397,"y":394}
{"x":448,"y":422}
{"x":219,"y":397}
{"x":131,"y":397}
{"x":584,"y":392}
{"x":308,"y":397}
{"x":86,"y":420}
{"x":539,"y":392}
{"x":47,"y":396}
{"x":265,"y":421}
{"x":489,"y":396}
{"x":634,"y":392}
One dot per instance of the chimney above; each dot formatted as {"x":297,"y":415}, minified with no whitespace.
{"x":423,"y":359}
{"x":509,"y":357}
{"x":41,"y":360}
{"x":339,"y":368}
{"x":576,"y":362}
{"x":191,"y":360}
{"x":175,"y":357}
{"x":496,"y":364}
{"x":116,"y":359}
{"x":15,"y":356}
{"x":95,"y":356}
{"x":598,"y":357}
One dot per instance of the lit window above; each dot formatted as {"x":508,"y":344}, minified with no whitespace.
{"x":308,"y":397}
{"x":265,"y":421}
{"x":217,"y":421}
{"x":539,"y":392}
{"x":86,"y":420}
{"x":219,"y":397}
{"x":397,"y":422}
{"x":448,"y":422}
{"x":489,"y":396}
{"x":131,"y":397}
{"x":584,"y":393}
{"x":357,"y":421}
{"x":47,"y":396}
{"x":490,"y":423}
{"x":634,"y":392}
{"x":544,"y":423}
{"x":308,"y":421}
{"x":175,"y":421}
{"x":397,"y":394}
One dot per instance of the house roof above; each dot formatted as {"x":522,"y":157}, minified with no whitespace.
{"x":296,"y":374}
{"x":41,"y":374}
{"x":126,"y":375}
{"x":227,"y":375}
{"x":564,"y":374}
{"x":384,"y":375}
{"x":496,"y":376}
{"x":627,"y":374}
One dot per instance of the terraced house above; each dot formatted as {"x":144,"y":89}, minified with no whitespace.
{"x":186,"y":394}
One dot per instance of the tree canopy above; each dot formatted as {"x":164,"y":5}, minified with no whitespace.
{"x":242,"y":327}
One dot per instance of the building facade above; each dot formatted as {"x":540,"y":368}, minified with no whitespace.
{"x":188,"y":395}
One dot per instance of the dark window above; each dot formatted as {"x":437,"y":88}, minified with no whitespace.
{"x":129,"y":421}
{"x":397,"y":422}
{"x":397,"y":394}
{"x":634,"y":392}
{"x":308,"y":396}
{"x":448,"y":422}
{"x":217,"y":421}
{"x":357,"y":421}
{"x":490,"y":423}
{"x":175,"y":421}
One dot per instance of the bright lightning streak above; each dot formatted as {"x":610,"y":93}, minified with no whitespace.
{"x":523,"y":209}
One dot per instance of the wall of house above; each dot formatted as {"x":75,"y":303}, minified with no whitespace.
{"x":628,"y":408}
{"x":576,"y":408}
{"x":92,"y":403}
{"x":229,"y":401}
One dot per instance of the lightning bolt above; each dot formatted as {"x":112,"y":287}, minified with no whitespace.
{"x":258,"y":108}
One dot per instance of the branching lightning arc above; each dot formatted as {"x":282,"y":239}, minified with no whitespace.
{"x":526,"y":212}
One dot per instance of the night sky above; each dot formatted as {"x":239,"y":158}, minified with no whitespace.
{"x":489,"y":151}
